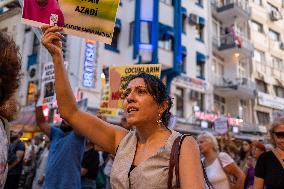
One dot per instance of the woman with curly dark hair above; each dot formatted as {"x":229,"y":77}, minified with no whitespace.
{"x":141,"y":155}
{"x":10,"y":66}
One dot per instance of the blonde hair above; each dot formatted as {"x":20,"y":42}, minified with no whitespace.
{"x":277,"y":122}
{"x":212,"y":139}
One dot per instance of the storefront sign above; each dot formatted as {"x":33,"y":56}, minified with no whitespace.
{"x":191,"y":83}
{"x":212,"y":117}
{"x":89,"y":77}
{"x":270,"y":101}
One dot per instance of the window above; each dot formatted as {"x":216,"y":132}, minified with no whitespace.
{"x":184,"y":23}
{"x":145,"y":37}
{"x":263,"y":117}
{"x":114,"y":44}
{"x":32,"y":90}
{"x":273,"y":35}
{"x":183,"y":59}
{"x":199,"y":3}
{"x":131,"y":33}
{"x":168,"y":2}
{"x":258,"y":56}
{"x":200,"y":70}
{"x":258,"y":2}
{"x":200,"y":101}
{"x":261,"y":86}
{"x":256,"y":26}
{"x":36,"y":45}
{"x":244,"y":110}
{"x":279,"y":91}
{"x":166,"y":44}
{"x":219,"y":104}
{"x":179,"y":101}
{"x":218,"y":67}
{"x":199,"y":28}
{"x":243,"y":70}
{"x":277,"y":63}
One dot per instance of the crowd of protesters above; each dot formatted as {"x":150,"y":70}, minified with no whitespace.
{"x":227,"y":163}
{"x":71,"y":154}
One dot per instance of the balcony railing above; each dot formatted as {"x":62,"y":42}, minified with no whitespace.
{"x":232,"y":40}
{"x":234,"y":83}
{"x":228,"y":4}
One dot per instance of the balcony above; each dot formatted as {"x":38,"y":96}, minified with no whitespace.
{"x":243,"y":88}
{"x":227,"y":10}
{"x":229,"y":44}
{"x":9,"y":8}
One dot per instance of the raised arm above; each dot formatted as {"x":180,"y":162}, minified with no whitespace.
{"x":106,"y":135}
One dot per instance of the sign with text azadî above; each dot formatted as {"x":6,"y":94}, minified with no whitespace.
{"x":90,"y":19}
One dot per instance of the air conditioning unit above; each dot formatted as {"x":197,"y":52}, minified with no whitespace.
{"x":274,"y":15}
{"x":193,"y":19}
{"x":281,"y":45}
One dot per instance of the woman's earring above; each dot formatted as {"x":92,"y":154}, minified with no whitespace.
{"x":159,"y":121}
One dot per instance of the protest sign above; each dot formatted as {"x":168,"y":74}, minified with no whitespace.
{"x":90,"y":19}
{"x":47,"y":90}
{"x":117,"y":76}
{"x":221,"y":125}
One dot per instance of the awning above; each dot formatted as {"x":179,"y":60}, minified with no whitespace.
{"x":183,"y":10}
{"x":183,"y":51}
{"x":200,"y":57}
{"x":201,"y":20}
{"x":165,"y":32}
{"x":118,"y":23}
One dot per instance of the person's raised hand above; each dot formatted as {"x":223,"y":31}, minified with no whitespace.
{"x":51,"y":39}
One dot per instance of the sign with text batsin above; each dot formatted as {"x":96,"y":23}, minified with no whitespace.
{"x":90,"y":19}
{"x":117,"y":76}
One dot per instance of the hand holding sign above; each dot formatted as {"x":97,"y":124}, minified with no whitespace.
{"x":52,"y":39}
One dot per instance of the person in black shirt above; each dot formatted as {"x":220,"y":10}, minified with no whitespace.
{"x":15,"y":160}
{"x":269,"y":171}
{"x":90,"y":166}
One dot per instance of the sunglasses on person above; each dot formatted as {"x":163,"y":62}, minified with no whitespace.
{"x":279,"y":134}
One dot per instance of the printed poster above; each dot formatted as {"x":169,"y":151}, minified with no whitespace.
{"x":221,"y":125}
{"x":47,"y":91}
{"x":117,"y":76}
{"x":90,"y":19}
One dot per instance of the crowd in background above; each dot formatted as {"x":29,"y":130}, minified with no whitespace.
{"x":31,"y":158}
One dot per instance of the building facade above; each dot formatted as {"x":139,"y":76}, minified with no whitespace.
{"x":267,"y":28}
{"x":218,"y":58}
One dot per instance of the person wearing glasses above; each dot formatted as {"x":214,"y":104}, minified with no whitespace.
{"x":269,"y":171}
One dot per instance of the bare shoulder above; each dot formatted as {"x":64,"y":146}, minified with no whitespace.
{"x":189,"y":144}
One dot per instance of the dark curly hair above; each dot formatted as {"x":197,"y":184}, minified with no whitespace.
{"x":157,"y":89}
{"x":10,"y":66}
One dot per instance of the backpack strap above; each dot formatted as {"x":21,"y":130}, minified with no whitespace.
{"x":174,"y":161}
{"x":174,"y":164}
